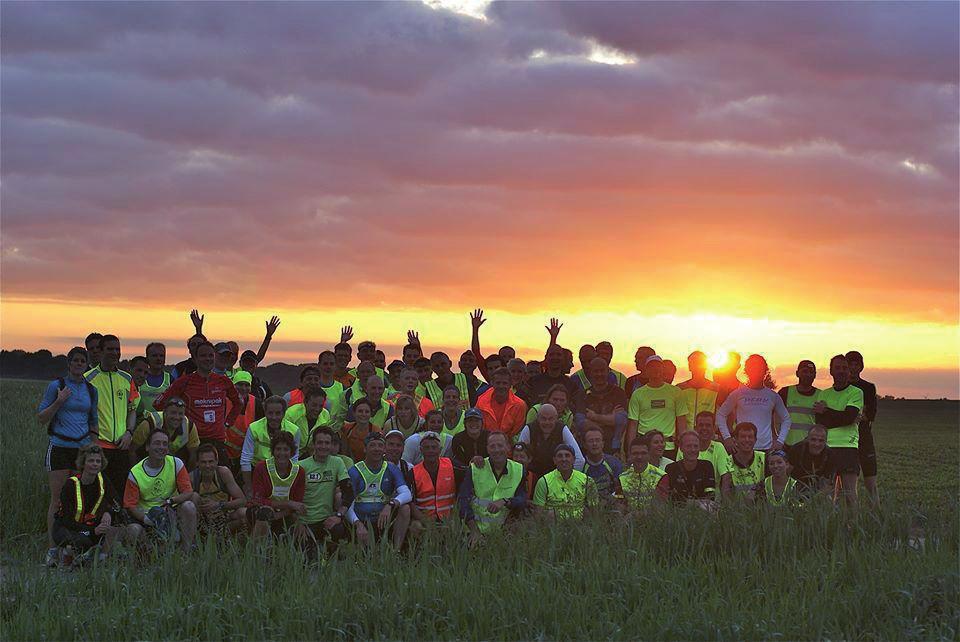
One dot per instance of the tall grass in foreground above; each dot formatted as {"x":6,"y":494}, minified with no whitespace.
{"x":681,"y":576}
{"x":744,"y":573}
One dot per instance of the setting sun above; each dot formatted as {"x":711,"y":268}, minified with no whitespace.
{"x":718,"y":359}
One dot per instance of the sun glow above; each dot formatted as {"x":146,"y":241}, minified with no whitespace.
{"x":717,"y":359}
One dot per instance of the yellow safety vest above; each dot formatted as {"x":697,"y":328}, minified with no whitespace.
{"x":800,"y":408}
{"x":83,"y":517}
{"x":488,"y":489}
{"x":155,"y":490}
{"x":281,"y":485}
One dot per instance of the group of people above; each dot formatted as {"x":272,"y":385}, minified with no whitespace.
{"x":378,"y":450}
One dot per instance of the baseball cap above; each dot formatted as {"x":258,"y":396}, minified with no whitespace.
{"x":249,"y":354}
{"x":429,"y":434}
{"x":222,"y":347}
{"x":473,"y":413}
{"x":653,"y":358}
{"x":562,"y":447}
{"x":378,"y":436}
{"x":242,"y":376}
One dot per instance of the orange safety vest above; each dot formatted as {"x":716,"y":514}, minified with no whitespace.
{"x":436,"y":502}
{"x":238,"y":431}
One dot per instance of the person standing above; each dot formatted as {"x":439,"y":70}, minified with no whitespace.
{"x":544,"y":436}
{"x":603,"y":406}
{"x":207,"y":395}
{"x":699,"y":392}
{"x":757,"y":404}
{"x":866,"y":449}
{"x":157,"y":379}
{"x":502,"y":410}
{"x":117,"y":401}
{"x":838,"y":410}
{"x":799,"y":400}
{"x":69,"y":409}
{"x":656,"y":406}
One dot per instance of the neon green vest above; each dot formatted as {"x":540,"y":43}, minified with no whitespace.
{"x":457,"y":428}
{"x":282,"y":485}
{"x":435,"y":392}
{"x":297,"y":415}
{"x":261,"y":438}
{"x":638,"y":487}
{"x":177,"y":440}
{"x":566,"y":499}
{"x":372,"y":482}
{"x":148,"y":393}
{"x":800,"y":408}
{"x":743,"y":479}
{"x":789,"y":491}
{"x":488,"y":489}
{"x":699,"y":400}
{"x":155,"y":490}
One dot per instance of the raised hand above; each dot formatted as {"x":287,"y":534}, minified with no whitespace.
{"x":197,"y":320}
{"x":554,"y":329}
{"x":476,"y":319}
{"x":272,"y":325}
{"x":413,"y":337}
{"x":346,"y":333}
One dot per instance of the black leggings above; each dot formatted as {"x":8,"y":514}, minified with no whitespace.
{"x":80,"y":540}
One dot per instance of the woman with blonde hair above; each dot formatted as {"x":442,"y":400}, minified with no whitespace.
{"x":88,"y":506}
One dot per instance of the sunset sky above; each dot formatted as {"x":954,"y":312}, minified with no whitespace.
{"x":768,"y":177}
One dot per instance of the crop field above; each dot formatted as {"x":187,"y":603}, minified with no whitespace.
{"x":745,"y":573}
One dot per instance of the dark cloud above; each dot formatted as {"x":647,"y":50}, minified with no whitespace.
{"x":385,"y":145}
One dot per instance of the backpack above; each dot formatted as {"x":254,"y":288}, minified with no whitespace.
{"x":61,"y":384}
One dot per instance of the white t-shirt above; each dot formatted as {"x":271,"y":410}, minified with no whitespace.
{"x":758,"y":407}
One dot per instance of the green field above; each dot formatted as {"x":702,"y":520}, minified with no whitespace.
{"x":678,"y":574}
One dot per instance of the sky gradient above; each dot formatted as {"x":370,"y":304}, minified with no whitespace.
{"x":775,"y":178}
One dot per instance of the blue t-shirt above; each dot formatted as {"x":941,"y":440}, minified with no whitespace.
{"x":75,"y":418}
{"x":392,"y":481}
{"x":605,"y":474}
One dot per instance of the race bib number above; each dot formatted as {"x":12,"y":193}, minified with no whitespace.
{"x":209,"y":416}
{"x":658,"y":403}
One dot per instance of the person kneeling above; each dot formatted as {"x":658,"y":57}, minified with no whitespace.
{"x":435,"y":483}
{"x":276,"y":500}
{"x":221,"y":500}
{"x":159,"y":496}
{"x":381,"y":496}
{"x":84,"y":521}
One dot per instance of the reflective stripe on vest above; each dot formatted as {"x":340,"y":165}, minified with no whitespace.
{"x":437,"y":500}
{"x":154,"y":490}
{"x":488,"y":489}
{"x":281,"y":485}
{"x":435,"y":392}
{"x":787,"y":490}
{"x":743,"y":479}
{"x":81,"y":516}
{"x":372,"y":484}
{"x":801,"y":412}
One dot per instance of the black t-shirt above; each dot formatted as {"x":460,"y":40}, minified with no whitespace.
{"x":68,"y":502}
{"x":869,"y":401}
{"x":260,"y":389}
{"x":691,"y":484}
{"x":811,"y":471}
{"x":463,"y":448}
{"x":539,"y":385}
{"x":185,"y":367}
{"x":603,"y":403}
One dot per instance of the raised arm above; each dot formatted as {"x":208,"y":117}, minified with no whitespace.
{"x":477,"y":320}
{"x":197,"y":319}
{"x":554,"y":330}
{"x":272,"y":326}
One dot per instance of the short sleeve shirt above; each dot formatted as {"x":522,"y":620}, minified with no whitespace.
{"x":657,"y":408}
{"x":321,"y":482}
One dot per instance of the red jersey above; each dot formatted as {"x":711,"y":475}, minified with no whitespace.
{"x":263,"y":487}
{"x":206,"y":399}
